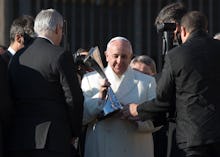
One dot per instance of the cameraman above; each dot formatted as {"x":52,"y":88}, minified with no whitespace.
{"x":189,"y":74}
{"x":169,"y":15}
{"x":172,"y":13}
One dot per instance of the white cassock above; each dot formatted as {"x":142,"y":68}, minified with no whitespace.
{"x":114,"y":137}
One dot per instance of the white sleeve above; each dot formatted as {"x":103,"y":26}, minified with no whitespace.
{"x":91,"y":101}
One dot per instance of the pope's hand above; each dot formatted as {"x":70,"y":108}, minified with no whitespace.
{"x":104,"y":88}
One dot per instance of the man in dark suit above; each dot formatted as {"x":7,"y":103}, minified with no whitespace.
{"x":5,"y":105}
{"x":48,"y":98}
{"x":190,"y":74}
{"x":21,"y":33}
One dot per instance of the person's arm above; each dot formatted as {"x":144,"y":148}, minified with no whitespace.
{"x":72,"y":92}
{"x":94,"y":97}
{"x":161,"y":104}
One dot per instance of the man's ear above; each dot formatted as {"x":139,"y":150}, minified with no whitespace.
{"x":178,"y":27}
{"x":57,"y":29}
{"x":183,"y":31}
{"x":19,"y":38}
{"x":184,"y":34}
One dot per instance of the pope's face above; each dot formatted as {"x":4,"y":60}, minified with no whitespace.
{"x":118,"y":56}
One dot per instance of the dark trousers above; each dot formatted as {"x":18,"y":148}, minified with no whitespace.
{"x":1,"y":141}
{"x":82,"y":139}
{"x":208,"y":150}
{"x":160,"y":142}
{"x":172,"y":147}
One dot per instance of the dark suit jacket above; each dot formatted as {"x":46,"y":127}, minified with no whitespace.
{"x":5,"y":103}
{"x":6,"y":57}
{"x":48,"y":98}
{"x":190,"y":75}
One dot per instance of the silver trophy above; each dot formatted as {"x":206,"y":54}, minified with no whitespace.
{"x":93,"y":60}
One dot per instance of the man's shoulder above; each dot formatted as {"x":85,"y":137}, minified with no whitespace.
{"x":42,"y":43}
{"x":44,"y":47}
{"x":2,"y":62}
{"x":6,"y":53}
{"x":178,"y":52}
{"x":6,"y":56}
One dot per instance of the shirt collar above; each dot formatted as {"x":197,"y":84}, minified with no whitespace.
{"x":11,"y":50}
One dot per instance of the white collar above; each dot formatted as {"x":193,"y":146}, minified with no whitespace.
{"x":114,"y":79}
{"x":123,"y":85}
{"x":11,"y":50}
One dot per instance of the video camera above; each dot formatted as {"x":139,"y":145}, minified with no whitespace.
{"x":167,"y":31}
{"x":170,"y":27}
{"x":78,"y":58}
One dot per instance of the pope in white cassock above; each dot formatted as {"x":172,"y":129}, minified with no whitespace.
{"x":116,"y":136}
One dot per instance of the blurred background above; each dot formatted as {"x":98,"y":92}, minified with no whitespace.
{"x":95,"y":22}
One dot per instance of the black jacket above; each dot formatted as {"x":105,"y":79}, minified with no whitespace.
{"x":191,"y":75}
{"x":6,"y":56}
{"x":48,"y":98}
{"x":5,"y":104}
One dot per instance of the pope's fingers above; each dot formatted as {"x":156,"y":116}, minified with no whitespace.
{"x":103,"y":92}
{"x":104,"y":83}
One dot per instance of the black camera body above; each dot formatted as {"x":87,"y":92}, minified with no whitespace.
{"x":167,"y":32}
{"x":78,"y":59}
{"x":168,"y":27}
